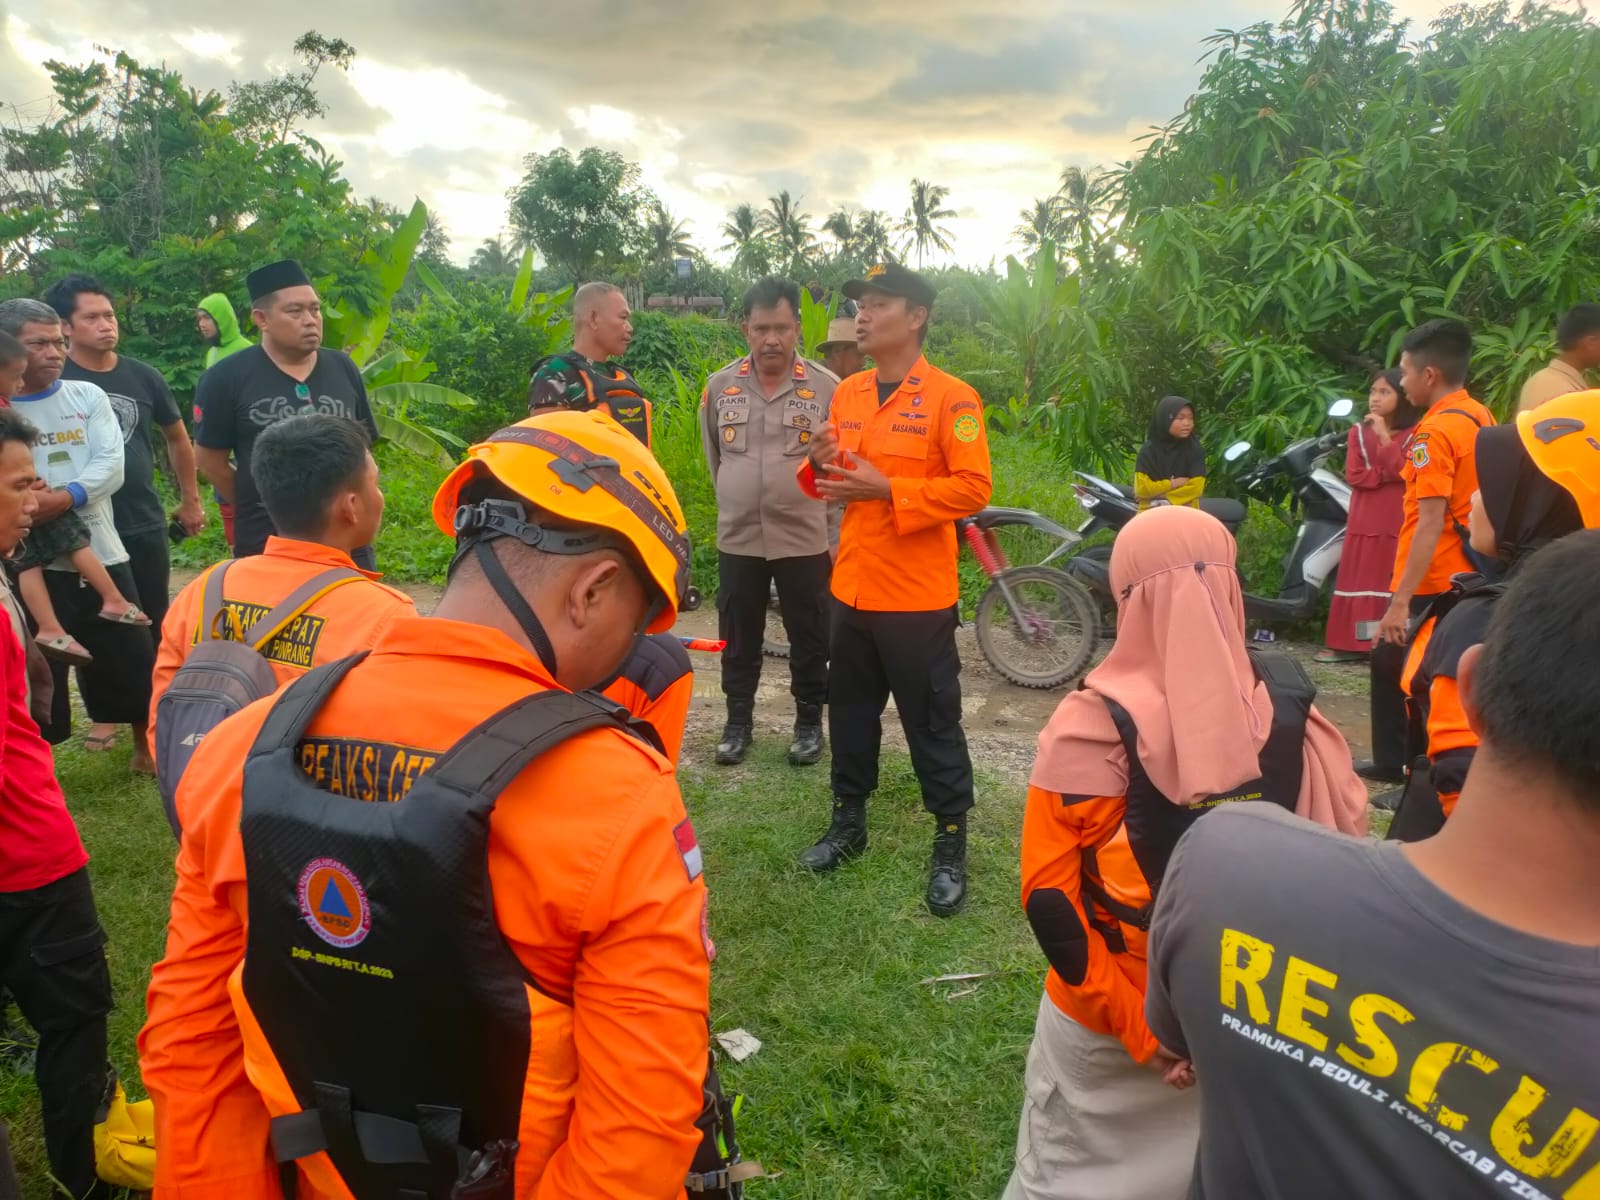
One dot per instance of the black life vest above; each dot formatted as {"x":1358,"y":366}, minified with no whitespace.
{"x":612,"y":386}
{"x":1154,"y":823}
{"x":374,"y":967}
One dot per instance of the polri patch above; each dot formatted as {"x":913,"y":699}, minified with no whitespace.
{"x":688,"y":849}
{"x":805,"y":393}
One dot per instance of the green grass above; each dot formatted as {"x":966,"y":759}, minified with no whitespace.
{"x":869,"y":1084}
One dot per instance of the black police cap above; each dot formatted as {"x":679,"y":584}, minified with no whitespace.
{"x":892,"y":279}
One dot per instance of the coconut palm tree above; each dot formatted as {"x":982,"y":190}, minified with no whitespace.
{"x":1041,"y":223}
{"x":1084,"y":199}
{"x":666,"y":237}
{"x":492,"y":258}
{"x":874,"y":238}
{"x":786,"y":225}
{"x":921,"y":222}
{"x":742,"y":227}
{"x":841,"y":224}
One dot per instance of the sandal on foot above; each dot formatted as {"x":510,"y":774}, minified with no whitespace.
{"x":132,"y":615}
{"x":67,"y":649}
{"x":1338,"y":656}
{"x":99,"y":743}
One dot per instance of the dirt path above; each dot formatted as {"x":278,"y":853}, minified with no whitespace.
{"x":1002,"y":721}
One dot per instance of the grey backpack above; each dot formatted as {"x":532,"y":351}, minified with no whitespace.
{"x":224,"y":671}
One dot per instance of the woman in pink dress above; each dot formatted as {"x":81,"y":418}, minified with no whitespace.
{"x":1377,"y":451}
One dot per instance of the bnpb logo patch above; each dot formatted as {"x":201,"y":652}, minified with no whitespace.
{"x":966,"y":429}
{"x":334,"y":903}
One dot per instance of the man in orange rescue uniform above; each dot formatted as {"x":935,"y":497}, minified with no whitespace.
{"x":907,"y":455}
{"x":433,"y":994}
{"x":319,"y":483}
{"x":1440,"y":476}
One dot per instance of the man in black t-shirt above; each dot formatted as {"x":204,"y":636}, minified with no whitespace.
{"x":141,"y":398}
{"x":287,"y":374}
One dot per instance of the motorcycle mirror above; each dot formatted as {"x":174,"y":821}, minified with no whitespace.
{"x":1342,"y":408}
{"x":1236,"y":451}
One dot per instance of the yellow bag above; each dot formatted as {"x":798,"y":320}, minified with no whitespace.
{"x":125,"y":1142}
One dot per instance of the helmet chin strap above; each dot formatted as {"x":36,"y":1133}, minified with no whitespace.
{"x":494,"y":571}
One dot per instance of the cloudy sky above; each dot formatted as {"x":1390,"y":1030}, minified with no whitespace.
{"x":842,"y":102}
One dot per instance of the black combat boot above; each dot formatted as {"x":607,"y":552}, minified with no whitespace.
{"x":806,"y":749}
{"x":846,"y":836}
{"x":738,"y":733}
{"x":947,"y":883}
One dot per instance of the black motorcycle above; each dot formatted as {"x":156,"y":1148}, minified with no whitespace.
{"x":1322,"y":497}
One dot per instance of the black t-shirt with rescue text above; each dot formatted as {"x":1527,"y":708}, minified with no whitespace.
{"x":247,"y":392}
{"x":140,"y":397}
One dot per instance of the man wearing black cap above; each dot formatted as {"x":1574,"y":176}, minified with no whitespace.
{"x":905,"y":451}
{"x":288,"y":373}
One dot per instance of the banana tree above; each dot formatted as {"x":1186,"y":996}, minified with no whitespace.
{"x":399,"y":393}
{"x":814,"y":319}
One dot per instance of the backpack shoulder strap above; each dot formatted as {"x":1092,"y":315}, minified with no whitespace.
{"x":211,"y":602}
{"x":296,"y":602}
{"x":488,"y":757}
{"x":1285,"y":678}
{"x":295,"y":706}
{"x":1461,"y":412}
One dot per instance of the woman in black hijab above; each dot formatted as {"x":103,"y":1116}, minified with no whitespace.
{"x":1171,"y":467}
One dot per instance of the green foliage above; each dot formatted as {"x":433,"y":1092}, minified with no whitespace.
{"x":485,"y":346}
{"x":814,"y":318}
{"x":155,"y":189}
{"x":1332,"y":185}
{"x":580,"y":212}
{"x":694,"y":346}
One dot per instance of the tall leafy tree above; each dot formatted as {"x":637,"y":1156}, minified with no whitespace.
{"x":742,"y":227}
{"x":1083,"y":204}
{"x":921,"y":225}
{"x":841,"y":226}
{"x":272,"y":108}
{"x":1334,"y":182}
{"x":1042,"y":222}
{"x":874,"y":237}
{"x":666,"y":237}
{"x":493,"y":258}
{"x":581,"y":213}
{"x":786,"y":224}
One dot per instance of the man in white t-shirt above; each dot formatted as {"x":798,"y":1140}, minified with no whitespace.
{"x":80,"y":457}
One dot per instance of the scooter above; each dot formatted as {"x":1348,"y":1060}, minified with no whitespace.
{"x":1323,"y":497}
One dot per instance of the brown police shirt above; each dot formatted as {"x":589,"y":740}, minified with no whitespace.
{"x":753,"y":444}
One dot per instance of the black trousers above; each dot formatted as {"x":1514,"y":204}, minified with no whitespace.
{"x":150,"y":560}
{"x":912,"y":656}
{"x":53,"y":962}
{"x":743,"y":583}
{"x":116,"y":686}
{"x":1390,"y":724}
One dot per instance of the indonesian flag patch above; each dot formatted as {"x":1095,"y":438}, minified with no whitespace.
{"x":688,"y":849}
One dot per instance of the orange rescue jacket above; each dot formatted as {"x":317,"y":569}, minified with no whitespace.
{"x":899,"y":555}
{"x":601,"y":901}
{"x":340,"y":623}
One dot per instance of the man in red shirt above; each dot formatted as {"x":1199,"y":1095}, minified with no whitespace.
{"x":52,"y":955}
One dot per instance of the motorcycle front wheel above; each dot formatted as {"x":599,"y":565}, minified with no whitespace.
{"x":1037,"y":626}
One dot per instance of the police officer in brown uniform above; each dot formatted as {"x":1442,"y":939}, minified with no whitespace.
{"x":758,"y":417}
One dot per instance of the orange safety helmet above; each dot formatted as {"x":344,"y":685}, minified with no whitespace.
{"x":1562,"y":437}
{"x":585,"y":468}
